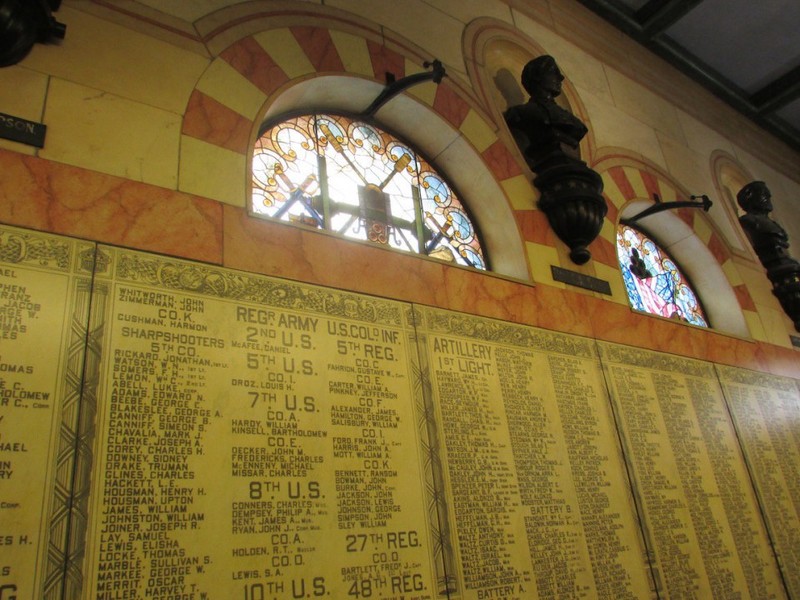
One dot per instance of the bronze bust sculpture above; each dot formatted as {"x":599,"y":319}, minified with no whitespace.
{"x":548,"y":137}
{"x":770,"y":242}
{"x":768,"y":238}
{"x":541,"y":126}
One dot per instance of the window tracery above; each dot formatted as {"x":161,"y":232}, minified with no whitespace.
{"x":350,"y":177}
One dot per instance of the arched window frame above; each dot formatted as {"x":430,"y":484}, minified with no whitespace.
{"x":729,"y":177}
{"x":650,"y":266}
{"x":436,"y":233}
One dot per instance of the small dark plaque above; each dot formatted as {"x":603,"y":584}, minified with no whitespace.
{"x":20,"y":130}
{"x":580,"y":280}
{"x":795,"y":341}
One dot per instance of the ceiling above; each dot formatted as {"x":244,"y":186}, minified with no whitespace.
{"x":747,"y":52}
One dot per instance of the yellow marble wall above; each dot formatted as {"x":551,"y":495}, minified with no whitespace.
{"x":150,"y":119}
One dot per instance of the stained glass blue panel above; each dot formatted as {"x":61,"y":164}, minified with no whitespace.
{"x":653,"y":281}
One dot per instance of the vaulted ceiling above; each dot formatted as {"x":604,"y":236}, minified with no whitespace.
{"x":747,"y":52}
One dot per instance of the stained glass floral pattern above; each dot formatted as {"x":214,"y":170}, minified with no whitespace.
{"x":347,"y":176}
{"x":653,"y":281}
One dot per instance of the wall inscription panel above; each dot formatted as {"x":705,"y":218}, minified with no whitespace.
{"x":255,"y":439}
{"x":536,"y":489}
{"x":702,"y":523}
{"x":171,"y":429}
{"x":44,"y":296}
{"x":766,"y":411}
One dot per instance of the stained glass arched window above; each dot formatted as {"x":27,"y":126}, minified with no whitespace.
{"x":653,"y":281}
{"x":350,"y":177}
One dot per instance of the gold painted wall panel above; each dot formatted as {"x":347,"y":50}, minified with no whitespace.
{"x":175,"y":429}
{"x":256,"y":439}
{"x":766,"y":411}
{"x":45,"y":284}
{"x":702,"y":524}
{"x":537,"y":498}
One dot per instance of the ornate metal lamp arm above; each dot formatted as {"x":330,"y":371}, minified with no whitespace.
{"x":395,"y":87}
{"x":659,"y":206}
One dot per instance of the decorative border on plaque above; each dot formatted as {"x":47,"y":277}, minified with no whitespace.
{"x":209,"y":280}
{"x":31,"y":248}
{"x":73,"y":461}
{"x":501,"y":332}
{"x":757,"y":379}
{"x":85,"y":439}
{"x":647,"y":359}
{"x":67,"y":256}
{"x":95,"y":261}
{"x":438,"y":512}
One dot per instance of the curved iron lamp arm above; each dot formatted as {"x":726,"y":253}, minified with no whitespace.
{"x":705,"y":203}
{"x":395,"y":87}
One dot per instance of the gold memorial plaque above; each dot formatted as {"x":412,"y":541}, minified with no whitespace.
{"x":702,"y":524}
{"x":170,"y":429}
{"x":256,"y":439}
{"x":537,"y":502}
{"x":44,"y":297}
{"x":766,"y":411}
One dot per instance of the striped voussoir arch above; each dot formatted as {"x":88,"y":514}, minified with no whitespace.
{"x":225,"y":108}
